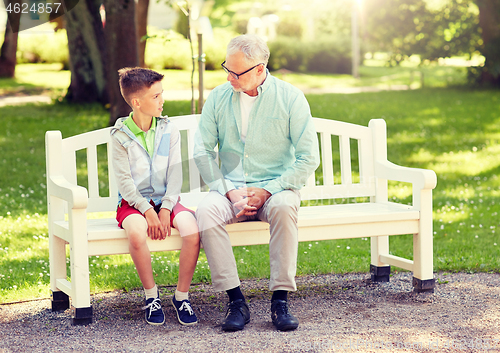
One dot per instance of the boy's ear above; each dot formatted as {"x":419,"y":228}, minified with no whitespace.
{"x":135,"y":102}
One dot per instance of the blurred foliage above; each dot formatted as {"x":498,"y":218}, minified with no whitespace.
{"x":414,"y":27}
{"x":327,"y":56}
{"x":49,"y":47}
{"x":171,"y":50}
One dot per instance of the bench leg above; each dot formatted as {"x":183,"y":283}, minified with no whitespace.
{"x":60,"y":301}
{"x":423,"y":269}
{"x":82,"y":316}
{"x":380,"y":273}
{"x":424,"y":285}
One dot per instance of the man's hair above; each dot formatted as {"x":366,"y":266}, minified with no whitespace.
{"x":135,"y":79}
{"x":252,"y":46}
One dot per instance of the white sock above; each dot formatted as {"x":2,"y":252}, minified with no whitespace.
{"x":180,"y":296}
{"x":152,"y":292}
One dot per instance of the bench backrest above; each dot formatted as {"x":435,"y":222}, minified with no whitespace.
{"x":346,"y":170}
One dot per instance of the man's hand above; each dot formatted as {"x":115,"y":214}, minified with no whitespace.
{"x":248,"y":200}
{"x":239,"y":198}
{"x":164,"y":216}
{"x":155,"y":228}
{"x":258,"y":198}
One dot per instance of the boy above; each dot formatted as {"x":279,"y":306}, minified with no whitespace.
{"x":147,"y":164}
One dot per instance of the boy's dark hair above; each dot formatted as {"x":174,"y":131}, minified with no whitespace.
{"x":134,"y":79}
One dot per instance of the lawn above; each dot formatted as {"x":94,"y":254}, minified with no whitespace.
{"x":454,"y":131}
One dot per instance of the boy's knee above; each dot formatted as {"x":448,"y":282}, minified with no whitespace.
{"x":137,"y":239}
{"x":192,"y":240}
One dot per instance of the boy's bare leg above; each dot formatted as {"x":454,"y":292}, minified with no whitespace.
{"x":185,"y":222}
{"x":136,"y":229}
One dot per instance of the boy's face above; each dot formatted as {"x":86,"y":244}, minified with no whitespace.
{"x":150,"y":101}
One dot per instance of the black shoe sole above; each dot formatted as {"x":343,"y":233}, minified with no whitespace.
{"x":286,"y":327}
{"x":232,"y":328}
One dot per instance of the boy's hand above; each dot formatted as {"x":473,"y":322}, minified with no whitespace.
{"x":155,"y":228}
{"x":164,"y":217}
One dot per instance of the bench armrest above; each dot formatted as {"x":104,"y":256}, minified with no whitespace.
{"x":420,"y":178}
{"x":75,"y":195}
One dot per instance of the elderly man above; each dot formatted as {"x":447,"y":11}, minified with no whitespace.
{"x":268,"y":148}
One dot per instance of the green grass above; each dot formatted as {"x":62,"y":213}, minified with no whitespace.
{"x":455,"y":132}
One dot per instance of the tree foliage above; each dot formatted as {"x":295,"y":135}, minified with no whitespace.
{"x":407,"y":27}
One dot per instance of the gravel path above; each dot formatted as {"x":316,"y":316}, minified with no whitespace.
{"x":336,"y":313}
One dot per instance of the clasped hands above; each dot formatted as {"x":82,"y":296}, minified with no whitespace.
{"x":158,"y":224}
{"x":248,"y":200}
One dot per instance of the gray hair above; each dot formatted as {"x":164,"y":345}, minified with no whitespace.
{"x":252,"y":46}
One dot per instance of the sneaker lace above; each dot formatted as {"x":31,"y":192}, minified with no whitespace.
{"x":232,"y":309}
{"x":186,"y":306}
{"x":153,"y":306}
{"x":282,"y":308}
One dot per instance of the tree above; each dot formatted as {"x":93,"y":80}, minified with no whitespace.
{"x":98,"y":51}
{"x":142,"y":28}
{"x":407,"y":27}
{"x":87,"y":53}
{"x":121,"y":42}
{"x":489,"y":21}
{"x":9,"y":47}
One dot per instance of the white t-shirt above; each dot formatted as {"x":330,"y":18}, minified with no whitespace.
{"x":246,"y":104}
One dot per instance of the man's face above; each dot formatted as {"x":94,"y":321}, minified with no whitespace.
{"x":248,"y":82}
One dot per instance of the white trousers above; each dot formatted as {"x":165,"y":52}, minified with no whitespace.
{"x":280,"y":211}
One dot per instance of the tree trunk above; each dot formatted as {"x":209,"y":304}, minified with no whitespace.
{"x":87,"y":48}
{"x":9,"y":47}
{"x":142,"y":28}
{"x":489,"y":21}
{"x":121,"y":39}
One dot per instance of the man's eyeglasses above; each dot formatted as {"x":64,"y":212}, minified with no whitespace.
{"x":234,"y":74}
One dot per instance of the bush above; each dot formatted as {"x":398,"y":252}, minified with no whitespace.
{"x":322,"y":56}
{"x":167,"y":50}
{"x":215,"y":50}
{"x":49,"y":47}
{"x":290,"y":25}
{"x":329,"y":57}
{"x":287,"y":53}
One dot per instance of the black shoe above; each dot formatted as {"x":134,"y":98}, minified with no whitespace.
{"x":237,"y":316}
{"x":282,"y":319}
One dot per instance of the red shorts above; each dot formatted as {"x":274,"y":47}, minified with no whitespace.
{"x":124,"y":210}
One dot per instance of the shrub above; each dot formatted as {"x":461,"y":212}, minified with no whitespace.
{"x":47,"y":47}
{"x":287,"y":53}
{"x":290,"y":25}
{"x":167,"y":50}
{"x":329,"y":57}
{"x":215,"y":50}
{"x":319,"y":56}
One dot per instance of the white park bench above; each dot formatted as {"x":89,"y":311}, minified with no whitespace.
{"x":363,"y":176}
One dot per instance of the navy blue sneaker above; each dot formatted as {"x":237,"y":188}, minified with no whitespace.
{"x":154,"y":313}
{"x":185,"y":313}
